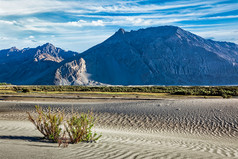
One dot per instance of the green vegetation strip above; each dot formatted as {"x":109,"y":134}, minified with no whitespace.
{"x":5,"y":84}
{"x":224,"y":91}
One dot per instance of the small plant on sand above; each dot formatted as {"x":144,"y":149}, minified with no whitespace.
{"x":48,"y":123}
{"x":226,"y":96}
{"x":77,"y":128}
{"x":26,"y":90}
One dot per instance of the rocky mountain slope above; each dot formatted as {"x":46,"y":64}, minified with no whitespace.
{"x":31,"y":65}
{"x":165,"y":55}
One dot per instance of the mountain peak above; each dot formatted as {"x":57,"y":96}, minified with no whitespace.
{"x":13,"y":49}
{"x":47,"y":45}
{"x":161,"y":55}
{"x":47,"y":48}
{"x":119,"y":35}
{"x":121,"y":30}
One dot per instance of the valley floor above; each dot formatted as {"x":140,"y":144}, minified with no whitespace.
{"x":162,"y":128}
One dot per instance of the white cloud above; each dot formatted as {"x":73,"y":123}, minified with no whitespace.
{"x":140,"y":21}
{"x":220,"y":17}
{"x":31,"y":37}
{"x":26,"y":7}
{"x":42,"y":26}
{"x":23,"y":7}
{"x":134,"y":7}
{"x":94,"y":15}
{"x":218,"y":32}
{"x":8,"y":22}
{"x":82,"y":23}
{"x":98,"y":23}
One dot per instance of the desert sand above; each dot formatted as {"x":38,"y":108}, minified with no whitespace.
{"x":165,"y":128}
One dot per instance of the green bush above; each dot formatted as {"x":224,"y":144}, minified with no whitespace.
{"x":5,"y":83}
{"x":78,"y":127}
{"x":226,"y":96}
{"x":48,"y":123}
{"x":26,"y":90}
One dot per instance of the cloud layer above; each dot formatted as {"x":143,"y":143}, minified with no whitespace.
{"x":77,"y":24}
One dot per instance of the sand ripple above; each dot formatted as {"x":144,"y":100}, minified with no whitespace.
{"x":191,"y":128}
{"x":115,"y":144}
{"x":217,"y":117}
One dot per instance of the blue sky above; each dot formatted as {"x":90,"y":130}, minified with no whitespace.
{"x":80,"y":24}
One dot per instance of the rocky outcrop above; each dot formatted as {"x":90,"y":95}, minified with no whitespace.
{"x":73,"y":73}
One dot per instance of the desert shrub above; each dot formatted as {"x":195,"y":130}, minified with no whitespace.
{"x":226,"y":96}
{"x":181,"y":92}
{"x":48,"y":123}
{"x":5,"y":83}
{"x":34,"y":89}
{"x":26,"y":90}
{"x":77,"y":128}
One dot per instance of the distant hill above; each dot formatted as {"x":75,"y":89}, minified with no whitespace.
{"x":165,"y":55}
{"x":31,"y":65}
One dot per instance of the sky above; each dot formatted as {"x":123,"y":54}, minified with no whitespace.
{"x":80,"y":24}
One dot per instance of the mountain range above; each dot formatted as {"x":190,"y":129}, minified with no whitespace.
{"x":31,"y":65}
{"x":165,"y":55}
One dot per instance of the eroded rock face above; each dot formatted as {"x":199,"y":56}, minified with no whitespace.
{"x":73,"y":73}
{"x":166,"y":55}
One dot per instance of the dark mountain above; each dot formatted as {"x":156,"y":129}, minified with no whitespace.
{"x":165,"y":55}
{"x":31,"y":65}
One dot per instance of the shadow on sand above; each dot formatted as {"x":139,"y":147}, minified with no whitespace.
{"x":30,"y":139}
{"x":26,"y":138}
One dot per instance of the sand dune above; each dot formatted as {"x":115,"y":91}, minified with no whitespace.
{"x":168,"y":128}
